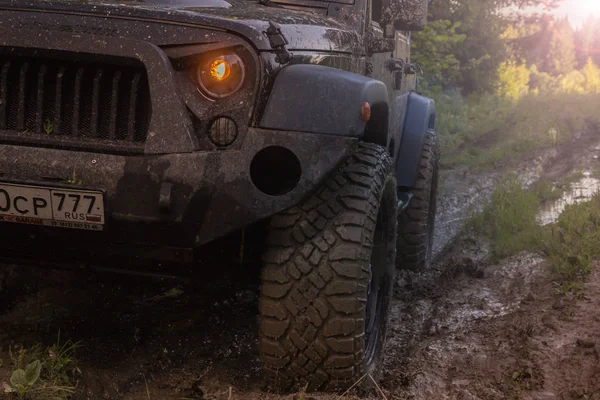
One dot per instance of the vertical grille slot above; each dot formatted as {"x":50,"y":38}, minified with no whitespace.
{"x":95,"y":103}
{"x":114,"y":99}
{"x":76,"y":101}
{"x":3,"y":93}
{"x":58,"y":99}
{"x":72,"y":101}
{"x":39,"y":106}
{"x":135,"y":83}
{"x":20,"y":123}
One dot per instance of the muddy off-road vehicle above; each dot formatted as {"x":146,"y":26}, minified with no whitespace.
{"x":157,"y":127}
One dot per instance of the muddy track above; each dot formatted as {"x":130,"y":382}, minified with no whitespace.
{"x":465,"y":329}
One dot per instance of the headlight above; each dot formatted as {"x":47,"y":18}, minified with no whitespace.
{"x":221,"y":76}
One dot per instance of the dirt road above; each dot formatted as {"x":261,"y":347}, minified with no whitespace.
{"x":465,"y":329}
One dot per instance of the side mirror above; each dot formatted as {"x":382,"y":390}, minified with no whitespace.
{"x":405,"y":15}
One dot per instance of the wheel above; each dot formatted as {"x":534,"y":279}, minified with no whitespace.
{"x":417,"y":223}
{"x":328,"y":277}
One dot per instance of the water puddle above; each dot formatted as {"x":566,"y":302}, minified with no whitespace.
{"x":580,"y":191}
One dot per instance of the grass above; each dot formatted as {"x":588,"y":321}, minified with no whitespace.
{"x":486,"y":131}
{"x":42,"y":372}
{"x":73,"y":180}
{"x":546,"y":191}
{"x":509,"y":218}
{"x":571,"y":244}
{"x":509,"y":221}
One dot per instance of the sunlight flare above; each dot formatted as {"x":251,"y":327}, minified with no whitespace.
{"x":590,"y":5}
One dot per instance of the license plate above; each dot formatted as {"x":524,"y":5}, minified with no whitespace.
{"x":38,"y":205}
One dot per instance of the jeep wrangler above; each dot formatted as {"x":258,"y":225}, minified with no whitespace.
{"x":163,"y":125}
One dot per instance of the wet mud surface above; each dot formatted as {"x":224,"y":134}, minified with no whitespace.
{"x":464,"y":329}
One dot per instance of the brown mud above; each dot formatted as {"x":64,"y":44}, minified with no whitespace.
{"x":464,"y":329}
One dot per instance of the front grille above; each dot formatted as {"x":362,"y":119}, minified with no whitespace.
{"x":55,"y":101}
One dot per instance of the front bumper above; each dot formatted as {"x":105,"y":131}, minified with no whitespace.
{"x":211,"y":193}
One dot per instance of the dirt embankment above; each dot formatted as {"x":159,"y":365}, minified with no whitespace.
{"x":465,"y":329}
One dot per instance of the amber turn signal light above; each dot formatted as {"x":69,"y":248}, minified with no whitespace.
{"x":365,"y":111}
{"x":221,"y":76}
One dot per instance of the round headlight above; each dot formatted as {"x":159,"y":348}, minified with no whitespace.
{"x":221,"y":76}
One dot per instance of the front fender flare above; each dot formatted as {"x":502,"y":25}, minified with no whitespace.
{"x":318,"y":99}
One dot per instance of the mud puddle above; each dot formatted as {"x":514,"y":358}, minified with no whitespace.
{"x":579,"y":191}
{"x":542,"y":346}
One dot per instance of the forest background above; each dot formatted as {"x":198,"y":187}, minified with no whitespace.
{"x":507,"y":83}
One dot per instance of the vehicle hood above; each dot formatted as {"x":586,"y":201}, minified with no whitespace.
{"x":304,"y":30}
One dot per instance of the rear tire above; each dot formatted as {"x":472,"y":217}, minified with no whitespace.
{"x":416,"y":224}
{"x":328,"y":278}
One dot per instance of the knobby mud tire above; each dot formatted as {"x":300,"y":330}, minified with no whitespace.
{"x":327,"y":263}
{"x":416,"y":224}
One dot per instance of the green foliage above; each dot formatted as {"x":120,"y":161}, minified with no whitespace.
{"x":505,"y":90}
{"x":433,"y":50}
{"x":513,"y":80}
{"x":73,"y":180}
{"x":541,"y":82}
{"x":573,"y":82}
{"x":587,"y":41}
{"x":41,"y":373}
{"x":453,"y":118}
{"x":572,"y":243}
{"x":509,"y":221}
{"x":509,"y":218}
{"x":469,"y":33}
{"x":48,"y":126}
{"x":570,"y":288}
{"x":591,"y":74}
{"x":23,"y":380}
{"x":559,"y":57}
{"x":546,"y":191}
{"x":490,"y":131}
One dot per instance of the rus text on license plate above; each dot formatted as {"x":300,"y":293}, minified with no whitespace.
{"x":39,"y":205}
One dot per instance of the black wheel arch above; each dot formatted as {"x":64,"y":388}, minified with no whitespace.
{"x":419,"y":121}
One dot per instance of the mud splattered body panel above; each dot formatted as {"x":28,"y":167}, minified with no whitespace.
{"x":105,"y":96}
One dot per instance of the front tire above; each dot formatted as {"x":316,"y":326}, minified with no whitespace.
{"x":328,"y":279}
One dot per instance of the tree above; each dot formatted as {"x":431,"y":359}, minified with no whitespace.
{"x":591,"y":74}
{"x":560,"y":56}
{"x":526,"y":39}
{"x":483,"y":49}
{"x":541,"y":82}
{"x":545,"y":42}
{"x":513,"y":80}
{"x":573,"y":82}
{"x":433,"y":49}
{"x":587,"y":41}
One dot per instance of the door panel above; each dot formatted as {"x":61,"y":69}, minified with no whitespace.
{"x":387,"y":65}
